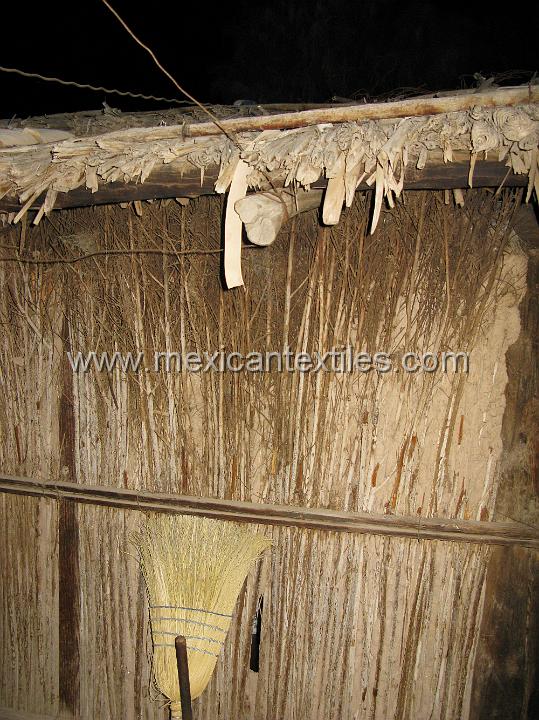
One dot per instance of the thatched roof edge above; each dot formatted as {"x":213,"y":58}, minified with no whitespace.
{"x":377,"y":151}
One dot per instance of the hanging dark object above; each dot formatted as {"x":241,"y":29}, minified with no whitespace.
{"x":256,"y":629}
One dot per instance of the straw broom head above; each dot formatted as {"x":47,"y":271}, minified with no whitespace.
{"x":194,"y":570}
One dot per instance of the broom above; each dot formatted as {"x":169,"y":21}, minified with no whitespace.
{"x":194,"y":569}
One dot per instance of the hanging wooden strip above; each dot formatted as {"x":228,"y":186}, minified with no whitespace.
{"x":335,"y":193}
{"x":234,"y":226}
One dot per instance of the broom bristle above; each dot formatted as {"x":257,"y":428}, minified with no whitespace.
{"x":194,"y":570}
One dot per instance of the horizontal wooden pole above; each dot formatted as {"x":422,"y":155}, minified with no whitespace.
{"x":413,"y":107}
{"x":166,"y":182}
{"x":491,"y":533}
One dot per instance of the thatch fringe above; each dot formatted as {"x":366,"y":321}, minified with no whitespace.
{"x":346,"y":153}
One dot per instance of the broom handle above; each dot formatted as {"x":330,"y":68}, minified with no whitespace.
{"x":183,"y":677}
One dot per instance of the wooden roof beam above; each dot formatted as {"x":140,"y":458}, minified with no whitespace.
{"x":166,"y":182}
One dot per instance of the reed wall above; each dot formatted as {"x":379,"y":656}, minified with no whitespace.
{"x":353,"y":626}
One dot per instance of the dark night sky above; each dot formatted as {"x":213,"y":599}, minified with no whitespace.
{"x":277,"y":51}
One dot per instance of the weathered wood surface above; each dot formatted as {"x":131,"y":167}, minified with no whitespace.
{"x":166,"y":182}
{"x":490,"y":533}
{"x":93,"y":122}
{"x":414,"y":107}
{"x":264,"y":213}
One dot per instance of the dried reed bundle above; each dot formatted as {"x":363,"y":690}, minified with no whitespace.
{"x":194,"y":570}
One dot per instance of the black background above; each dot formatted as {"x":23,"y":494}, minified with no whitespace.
{"x":282,"y":51}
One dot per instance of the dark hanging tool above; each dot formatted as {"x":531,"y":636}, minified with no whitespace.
{"x":256,"y":629}
{"x":183,"y":677}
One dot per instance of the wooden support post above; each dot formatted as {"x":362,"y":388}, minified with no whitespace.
{"x":68,"y":554}
{"x":183,"y":677}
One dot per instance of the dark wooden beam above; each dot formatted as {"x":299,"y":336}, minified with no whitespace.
{"x":507,"y":658}
{"x":492,"y":533}
{"x":166,"y":182}
{"x":68,"y":555}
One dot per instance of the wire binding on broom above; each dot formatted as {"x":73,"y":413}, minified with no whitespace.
{"x":191,"y":622}
{"x":179,"y":607}
{"x":191,"y":637}
{"x":189,"y":647}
